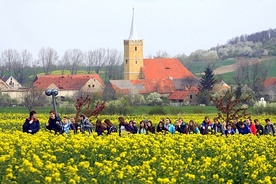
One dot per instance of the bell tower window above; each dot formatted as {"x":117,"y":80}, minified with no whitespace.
{"x":135,"y":48}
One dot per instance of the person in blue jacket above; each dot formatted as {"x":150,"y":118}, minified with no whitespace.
{"x":31,"y":124}
{"x":243,"y":128}
{"x":168,"y":125}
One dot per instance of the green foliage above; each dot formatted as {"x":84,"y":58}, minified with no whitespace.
{"x":6,"y":101}
{"x":157,"y":110}
{"x":204,"y":97}
{"x":119,"y":106}
{"x":207,"y":80}
{"x":67,"y":108}
{"x":154,"y":99}
{"x":269,"y":108}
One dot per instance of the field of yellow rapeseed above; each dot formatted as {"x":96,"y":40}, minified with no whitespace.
{"x":48,"y":158}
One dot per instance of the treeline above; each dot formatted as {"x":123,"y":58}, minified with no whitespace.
{"x":249,"y":46}
{"x":258,"y":44}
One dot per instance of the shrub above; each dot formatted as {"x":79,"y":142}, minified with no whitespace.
{"x":157,"y":110}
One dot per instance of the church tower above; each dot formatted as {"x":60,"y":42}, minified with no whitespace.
{"x":133,"y":54}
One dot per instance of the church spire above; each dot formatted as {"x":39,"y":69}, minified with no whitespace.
{"x":133,"y":34}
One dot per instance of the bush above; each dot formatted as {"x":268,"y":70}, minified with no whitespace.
{"x":67,"y":108}
{"x":268,"y":109}
{"x":157,"y":110}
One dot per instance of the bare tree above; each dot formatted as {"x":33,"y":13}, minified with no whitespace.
{"x":188,"y":83}
{"x":95,"y":58}
{"x":90,"y":61}
{"x":8,"y":58}
{"x":162,"y":54}
{"x":73,"y":59}
{"x":34,"y":98}
{"x":113,"y":62}
{"x":48,"y":58}
{"x":252,"y":72}
{"x":21,"y":65}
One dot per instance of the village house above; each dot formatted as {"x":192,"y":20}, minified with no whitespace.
{"x":270,"y":89}
{"x":68,"y":85}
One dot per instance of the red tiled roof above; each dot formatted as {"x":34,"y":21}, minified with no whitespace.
{"x":165,"y":68}
{"x":270,"y":82}
{"x":180,"y":95}
{"x":65,"y":82}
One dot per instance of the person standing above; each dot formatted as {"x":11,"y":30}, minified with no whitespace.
{"x":31,"y":124}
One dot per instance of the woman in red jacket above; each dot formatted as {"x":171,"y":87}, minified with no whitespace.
{"x":251,"y":125}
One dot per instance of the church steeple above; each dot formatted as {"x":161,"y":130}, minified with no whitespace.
{"x":133,"y":54}
{"x":133,"y":33}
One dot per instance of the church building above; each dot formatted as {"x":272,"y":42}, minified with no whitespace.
{"x":144,"y":76}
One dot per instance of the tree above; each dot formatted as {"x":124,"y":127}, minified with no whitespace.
{"x":154,"y":99}
{"x":162,"y":54}
{"x":252,"y":72}
{"x":73,"y":59}
{"x":229,"y":106}
{"x":8,"y":58}
{"x":34,"y":98}
{"x":21,"y":65}
{"x":47,"y":58}
{"x":207,"y":80}
{"x":113,"y":62}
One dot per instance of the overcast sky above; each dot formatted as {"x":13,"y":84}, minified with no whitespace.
{"x":175,"y":26}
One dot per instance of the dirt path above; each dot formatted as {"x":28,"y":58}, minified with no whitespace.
{"x":225,"y":69}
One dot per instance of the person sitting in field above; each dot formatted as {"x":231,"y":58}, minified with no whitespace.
{"x":150,"y":127}
{"x":217,"y":126}
{"x":259,"y":127}
{"x":66,"y":125}
{"x":124,"y":127}
{"x":269,"y":128}
{"x":142,"y":128}
{"x":206,"y":126}
{"x":160,"y":128}
{"x":180,"y":126}
{"x":85,"y":125}
{"x":168,"y":125}
{"x":243,"y":128}
{"x":251,"y":125}
{"x":31,"y":124}
{"x":192,"y":128}
{"x":229,"y":130}
{"x":132,"y":124}
{"x":54,"y":123}
{"x":99,"y":127}
{"x":110,"y":127}
{"x":74,"y":125}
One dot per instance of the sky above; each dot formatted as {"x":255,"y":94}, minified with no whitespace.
{"x":174,"y":26}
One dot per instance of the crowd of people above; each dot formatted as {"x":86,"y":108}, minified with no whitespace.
{"x":165,"y":125}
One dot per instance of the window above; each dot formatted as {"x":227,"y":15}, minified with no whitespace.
{"x":89,"y":85}
{"x":135,"y":62}
{"x":93,"y":85}
{"x":191,"y":96}
{"x":135,"y":48}
{"x":126,"y":61}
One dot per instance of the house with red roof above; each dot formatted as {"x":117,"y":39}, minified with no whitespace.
{"x":270,"y":89}
{"x":68,"y":85}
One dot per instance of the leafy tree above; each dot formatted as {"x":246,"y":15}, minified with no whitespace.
{"x":154,"y":99}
